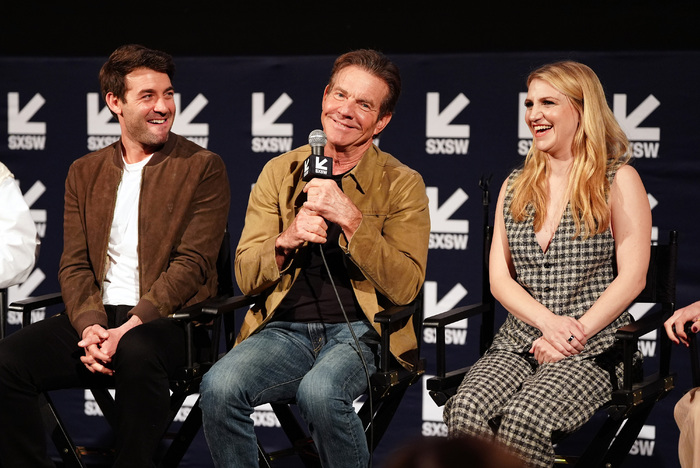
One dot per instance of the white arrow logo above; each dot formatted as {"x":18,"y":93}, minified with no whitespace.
{"x":32,"y":195}
{"x":433,"y":306}
{"x":18,"y":120}
{"x":638,"y":311}
{"x":183,"y":119}
{"x":24,"y":290}
{"x":99,"y":120}
{"x":630,"y":123}
{"x":264,"y":121}
{"x":438,"y":124}
{"x":440,"y":214}
{"x":652,"y":201}
{"x":321,"y":163}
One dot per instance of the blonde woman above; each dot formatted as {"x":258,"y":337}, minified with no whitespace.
{"x":564,"y":219}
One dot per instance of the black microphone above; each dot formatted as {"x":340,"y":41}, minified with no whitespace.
{"x":317,"y":165}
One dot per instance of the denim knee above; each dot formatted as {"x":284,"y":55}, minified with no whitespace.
{"x":318,"y":400}
{"x":217,"y":389}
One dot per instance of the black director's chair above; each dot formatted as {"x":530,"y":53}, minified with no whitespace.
{"x":184,"y":384}
{"x":388,"y":384}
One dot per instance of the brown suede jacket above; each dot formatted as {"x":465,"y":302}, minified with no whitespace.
{"x":183,"y":210}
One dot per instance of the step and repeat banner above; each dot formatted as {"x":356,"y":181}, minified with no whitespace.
{"x":460,"y":119}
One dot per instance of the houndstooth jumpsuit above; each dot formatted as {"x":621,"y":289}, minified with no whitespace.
{"x":507,"y":392}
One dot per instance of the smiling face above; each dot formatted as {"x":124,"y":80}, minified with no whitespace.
{"x":147,"y":112}
{"x":351,"y":107}
{"x":552,"y":119}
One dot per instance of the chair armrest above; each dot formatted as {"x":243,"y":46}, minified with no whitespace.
{"x":210,"y":311}
{"x":26,"y":306}
{"x":394,"y":314}
{"x":230,"y":304}
{"x":641,"y":327}
{"x":33,"y":303}
{"x":209,"y":308}
{"x":386,"y":319}
{"x":440,"y":321}
{"x":455,"y":315}
{"x":629,"y":336}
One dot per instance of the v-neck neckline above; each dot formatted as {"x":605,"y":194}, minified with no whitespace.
{"x":554,"y":233}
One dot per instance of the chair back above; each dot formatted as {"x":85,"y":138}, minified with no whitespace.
{"x":488,"y":317}
{"x":223,"y":266}
{"x":660,"y":286}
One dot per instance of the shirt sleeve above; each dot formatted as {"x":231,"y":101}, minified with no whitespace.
{"x":391,"y":250}
{"x":18,"y":244}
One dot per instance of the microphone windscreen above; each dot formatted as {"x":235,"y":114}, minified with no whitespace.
{"x":317,"y":138}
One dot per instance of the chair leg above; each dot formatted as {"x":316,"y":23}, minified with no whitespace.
{"x":263,"y":458}
{"x":626,"y":437}
{"x":63,"y":442}
{"x":183,"y":439}
{"x":380,"y":419}
{"x":594,"y":454}
{"x":302,"y":443}
{"x":106,"y":403}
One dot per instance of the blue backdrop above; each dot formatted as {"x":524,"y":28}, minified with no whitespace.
{"x":460,"y":117}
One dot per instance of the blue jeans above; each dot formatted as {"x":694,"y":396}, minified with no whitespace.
{"x":315,"y":364}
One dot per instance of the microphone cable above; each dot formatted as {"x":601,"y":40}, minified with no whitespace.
{"x":362,"y":358}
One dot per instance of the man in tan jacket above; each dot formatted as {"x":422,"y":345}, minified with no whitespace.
{"x":144,"y":219}
{"x":325,"y":255}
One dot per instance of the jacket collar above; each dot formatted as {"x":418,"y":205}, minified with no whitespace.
{"x":159,"y":156}
{"x":364,"y":171}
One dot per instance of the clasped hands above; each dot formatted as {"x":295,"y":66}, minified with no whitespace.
{"x":561,"y":337}
{"x":100,"y":344}
{"x":324,"y":202}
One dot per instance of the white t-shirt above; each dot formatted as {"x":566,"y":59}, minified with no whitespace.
{"x":121,"y":286}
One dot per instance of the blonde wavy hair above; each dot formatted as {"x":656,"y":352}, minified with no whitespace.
{"x":599,"y":144}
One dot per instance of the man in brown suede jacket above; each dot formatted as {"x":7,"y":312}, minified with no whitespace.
{"x":143,"y":222}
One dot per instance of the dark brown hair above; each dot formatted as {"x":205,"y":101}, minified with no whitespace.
{"x":128,"y":58}
{"x":378,"y":65}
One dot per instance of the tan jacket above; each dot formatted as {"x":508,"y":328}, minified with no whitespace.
{"x":183,"y":210}
{"x":388,"y":253}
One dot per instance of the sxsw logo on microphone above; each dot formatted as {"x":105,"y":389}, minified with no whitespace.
{"x":23,"y":132}
{"x":644,"y":141}
{"x":104,"y":130}
{"x":270,"y":136}
{"x":444,"y":136}
{"x":316,"y":166}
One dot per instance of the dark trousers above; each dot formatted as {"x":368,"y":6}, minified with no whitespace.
{"x":45,"y":356}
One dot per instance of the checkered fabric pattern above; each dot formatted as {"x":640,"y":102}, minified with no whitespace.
{"x":567,"y":279}
{"x":507,"y":395}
